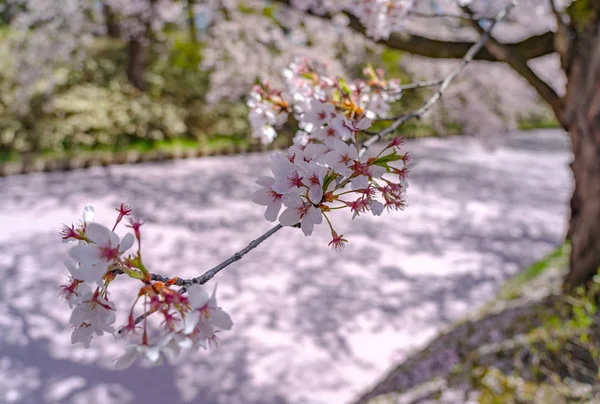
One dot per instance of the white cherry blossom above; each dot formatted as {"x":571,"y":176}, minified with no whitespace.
{"x":288,"y":176}
{"x":205,"y":314}
{"x":94,"y":315}
{"x":377,"y":208}
{"x":341,"y":157}
{"x":320,"y":114}
{"x":96,"y":256}
{"x":300,"y":211}
{"x":266,"y":196}
{"x":336,"y":130}
{"x":315,"y":175}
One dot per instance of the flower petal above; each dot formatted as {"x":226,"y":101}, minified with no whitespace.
{"x":127,"y":359}
{"x":86,"y":254}
{"x":273,"y":210}
{"x":126,"y":243}
{"x":360,"y":182}
{"x":292,"y":200}
{"x":289,"y":217}
{"x":364,"y":123}
{"x":265,"y":181}
{"x":315,"y":193}
{"x":307,"y":226}
{"x":198,"y":296}
{"x":191,"y":321}
{"x":314,"y":215}
{"x":88,"y":213}
{"x":377,"y":208}
{"x":79,"y":315}
{"x":98,"y":234}
{"x":262,"y":196}
{"x":152,"y":353}
{"x":83,"y":335}
{"x":221,"y":319}
{"x":377,"y":171}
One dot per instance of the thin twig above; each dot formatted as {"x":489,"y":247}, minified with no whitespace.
{"x":421,"y":84}
{"x":208,"y":275}
{"x":444,"y":84}
{"x":409,"y":86}
{"x":439,"y":15}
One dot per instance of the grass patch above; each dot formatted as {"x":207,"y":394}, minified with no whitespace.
{"x":538,"y":122}
{"x":557,"y":258}
{"x":8,"y":156}
{"x":141,"y":146}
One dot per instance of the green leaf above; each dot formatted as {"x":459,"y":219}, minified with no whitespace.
{"x":344,"y":87}
{"x":385,"y":160}
{"x":328,"y":179}
{"x":135,"y":274}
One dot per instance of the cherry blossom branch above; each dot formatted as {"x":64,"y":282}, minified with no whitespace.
{"x":309,"y":181}
{"x":399,"y":121}
{"x":208,"y":275}
{"x":442,"y":85}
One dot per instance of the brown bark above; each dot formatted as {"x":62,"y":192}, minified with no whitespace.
{"x":582,"y":115}
{"x":529,"y":48}
{"x":113,"y":29}
{"x":503,"y":53}
{"x":137,"y":54}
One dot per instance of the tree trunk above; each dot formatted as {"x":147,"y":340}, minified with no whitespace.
{"x":191,"y":16}
{"x":582,"y":115}
{"x":136,"y":64}
{"x":112,"y":26}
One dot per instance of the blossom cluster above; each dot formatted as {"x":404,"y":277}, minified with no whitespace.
{"x":98,"y":259}
{"x":305,"y":83}
{"x":310,"y":179}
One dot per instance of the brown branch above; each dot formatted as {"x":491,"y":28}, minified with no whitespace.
{"x":208,"y":275}
{"x":467,"y":58}
{"x":421,"y":84}
{"x":561,"y":38}
{"x":438,"y":15}
{"x":410,"y":86}
{"x":519,"y":64}
{"x":533,"y":47}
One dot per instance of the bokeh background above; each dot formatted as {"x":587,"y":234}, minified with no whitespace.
{"x":453,"y":300}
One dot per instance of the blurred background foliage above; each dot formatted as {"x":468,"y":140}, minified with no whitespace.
{"x":93,"y":106}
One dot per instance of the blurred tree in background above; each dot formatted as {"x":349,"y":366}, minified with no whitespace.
{"x":85,"y":75}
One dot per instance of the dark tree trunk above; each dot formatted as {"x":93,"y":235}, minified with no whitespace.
{"x":112,"y":26}
{"x":582,"y":115}
{"x":191,"y":16}
{"x":136,"y":64}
